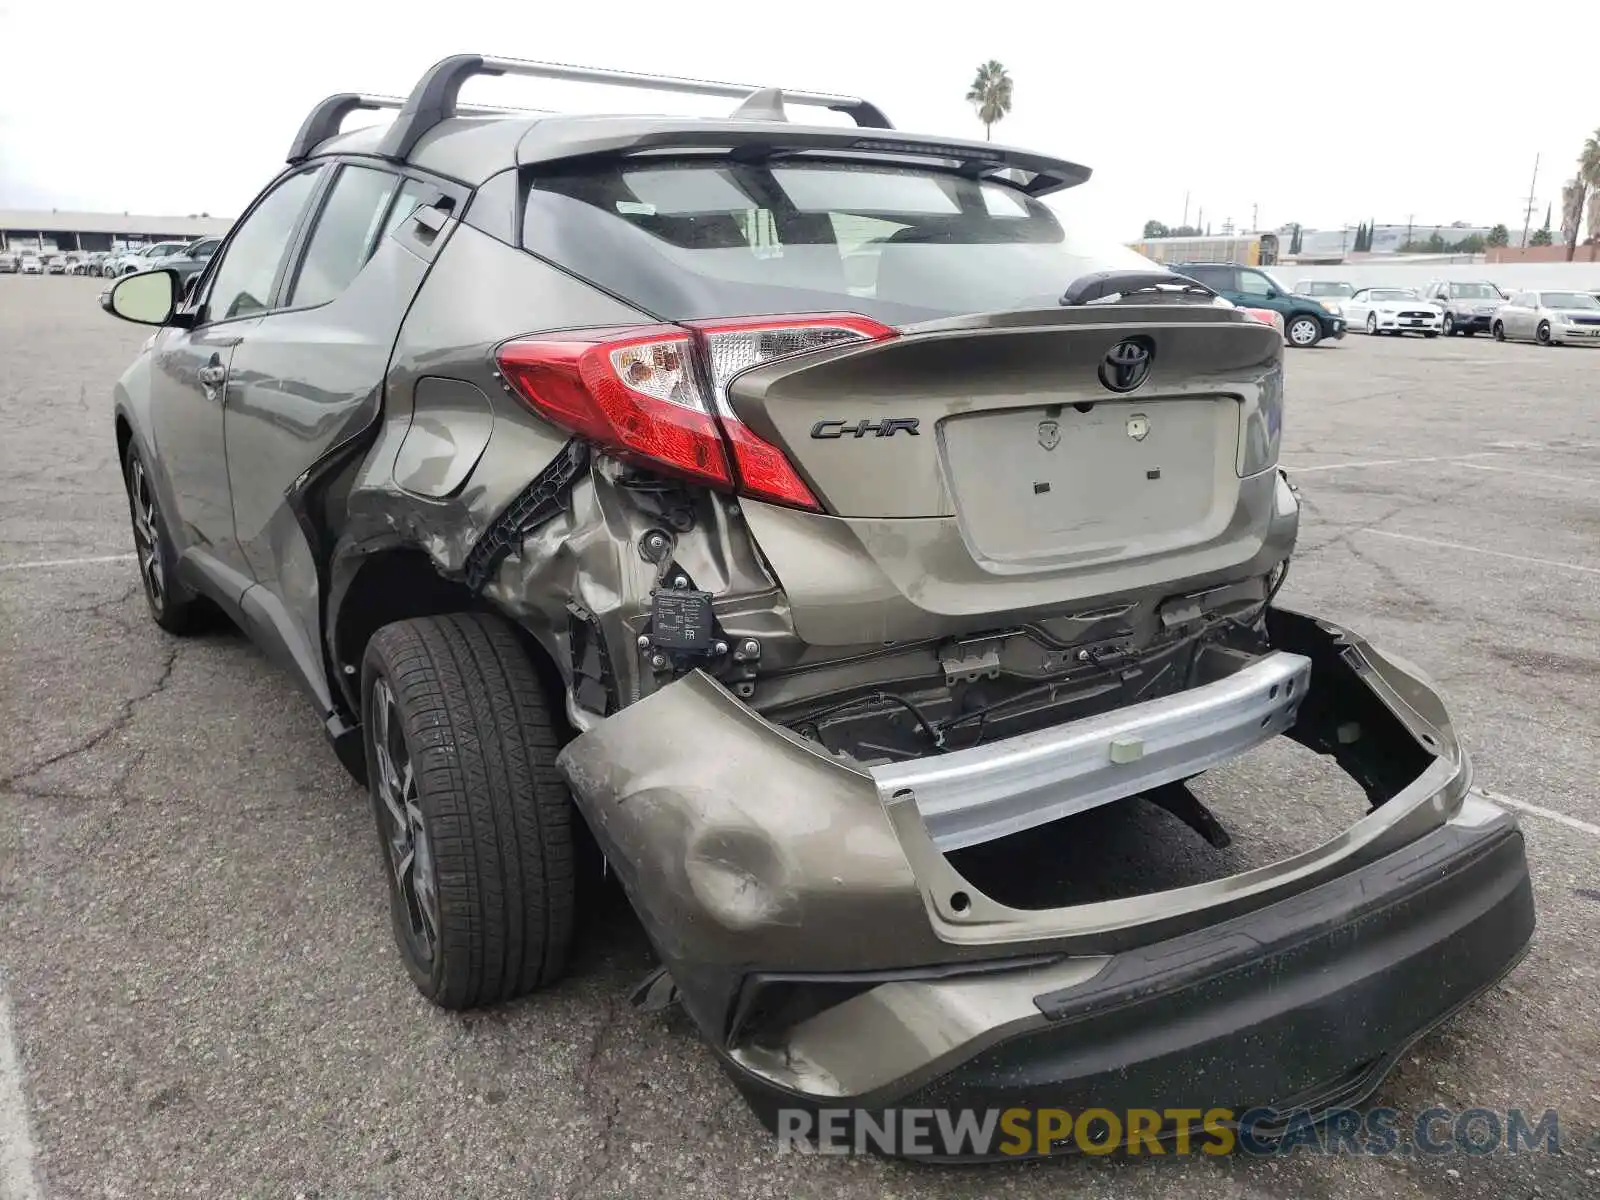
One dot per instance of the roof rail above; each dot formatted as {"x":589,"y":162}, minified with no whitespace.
{"x":434,"y":98}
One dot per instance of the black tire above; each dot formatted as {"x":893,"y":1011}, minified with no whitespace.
{"x":495,"y":816}
{"x":1372,"y":324}
{"x":171,"y":605}
{"x":1450,"y":325}
{"x":1543,"y":333}
{"x":1430,"y":333}
{"x":1499,"y":332}
{"x":1311,"y":331}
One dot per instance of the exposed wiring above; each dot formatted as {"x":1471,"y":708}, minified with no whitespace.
{"x":1272,"y":594}
{"x":928,"y":727}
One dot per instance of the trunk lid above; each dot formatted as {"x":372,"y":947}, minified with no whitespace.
{"x":1050,"y":438}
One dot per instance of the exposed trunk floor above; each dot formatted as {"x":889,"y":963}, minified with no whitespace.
{"x":1278,"y":800}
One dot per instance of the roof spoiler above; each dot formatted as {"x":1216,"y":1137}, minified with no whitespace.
{"x":433,"y":100}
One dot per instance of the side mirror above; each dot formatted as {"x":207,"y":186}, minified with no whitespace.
{"x":145,"y":298}
{"x":1272,"y":293}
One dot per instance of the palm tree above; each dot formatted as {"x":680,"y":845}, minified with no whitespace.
{"x":990,"y":94}
{"x":1588,"y":178}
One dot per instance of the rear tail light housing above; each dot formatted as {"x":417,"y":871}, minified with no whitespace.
{"x":657,"y":396}
{"x":1266,"y":316}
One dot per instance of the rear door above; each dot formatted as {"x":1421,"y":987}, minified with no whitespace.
{"x":310,"y":374}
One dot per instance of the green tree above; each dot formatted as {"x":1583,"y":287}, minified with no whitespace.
{"x":1541,"y":237}
{"x":1436,"y":243}
{"x":1498,"y":236}
{"x":1588,"y":179}
{"x":990,"y":94}
{"x":1154,"y":229}
{"x":1294,"y":239}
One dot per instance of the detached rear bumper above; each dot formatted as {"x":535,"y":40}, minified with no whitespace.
{"x":837,"y":958}
{"x":1305,"y":1004}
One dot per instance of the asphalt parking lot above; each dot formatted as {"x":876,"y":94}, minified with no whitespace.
{"x":198,"y":990}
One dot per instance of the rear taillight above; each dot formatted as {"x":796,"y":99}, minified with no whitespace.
{"x":634,"y":395}
{"x":637,"y":393}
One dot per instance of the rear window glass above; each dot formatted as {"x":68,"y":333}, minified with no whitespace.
{"x":709,"y":238}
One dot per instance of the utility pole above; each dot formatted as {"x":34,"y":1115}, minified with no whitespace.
{"x":1186,"y":208}
{"x":1255,"y":217}
{"x":1527,"y":213}
{"x":1410,"y":218}
{"x":1200,"y":221}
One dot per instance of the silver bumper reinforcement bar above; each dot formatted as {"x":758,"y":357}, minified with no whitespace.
{"x":984,"y":793}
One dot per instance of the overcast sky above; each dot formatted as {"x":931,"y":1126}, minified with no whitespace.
{"x":1324,"y":114}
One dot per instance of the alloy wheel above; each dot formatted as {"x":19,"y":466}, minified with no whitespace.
{"x":405,"y":833}
{"x":1303,"y":332}
{"x":147,"y":536}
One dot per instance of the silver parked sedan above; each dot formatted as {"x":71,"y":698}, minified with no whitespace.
{"x":1549,"y":318}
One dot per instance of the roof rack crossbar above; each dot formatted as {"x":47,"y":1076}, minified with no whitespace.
{"x":327,"y":117}
{"x":434,"y":98}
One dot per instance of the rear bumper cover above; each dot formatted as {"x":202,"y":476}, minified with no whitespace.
{"x":837,"y":958}
{"x":1303,"y":1005}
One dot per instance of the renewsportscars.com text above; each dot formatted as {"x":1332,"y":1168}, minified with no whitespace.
{"x":964,"y":1133}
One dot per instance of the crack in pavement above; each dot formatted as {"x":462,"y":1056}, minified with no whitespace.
{"x":116,"y":725}
{"x":610,"y":1110}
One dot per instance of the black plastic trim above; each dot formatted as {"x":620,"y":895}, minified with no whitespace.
{"x":535,"y":504}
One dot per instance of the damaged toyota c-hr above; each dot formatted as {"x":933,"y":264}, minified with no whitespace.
{"x":779,"y":515}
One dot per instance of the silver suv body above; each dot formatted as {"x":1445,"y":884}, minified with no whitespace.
{"x":1469,"y":305}
{"x":798,"y":519}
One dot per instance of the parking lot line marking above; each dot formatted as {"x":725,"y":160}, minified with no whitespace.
{"x":1538,"y":810}
{"x":1475,"y":466}
{"x":43,"y":563}
{"x":16,"y":1140}
{"x":1521,"y":558}
{"x":1386,"y":462}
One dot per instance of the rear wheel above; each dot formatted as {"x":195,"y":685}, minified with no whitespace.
{"x":1303,"y":331}
{"x":474,"y":821}
{"x":1499,"y":332}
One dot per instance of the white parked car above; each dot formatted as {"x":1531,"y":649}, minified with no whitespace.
{"x":1393,"y":311}
{"x":139,"y":258}
{"x":32,"y":265}
{"x":1549,"y":318}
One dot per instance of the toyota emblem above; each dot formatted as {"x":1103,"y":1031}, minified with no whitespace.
{"x":1127,"y":365}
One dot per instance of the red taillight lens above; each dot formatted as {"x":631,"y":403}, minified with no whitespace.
{"x":636,"y":393}
{"x":735,"y":345}
{"x":633,"y":395}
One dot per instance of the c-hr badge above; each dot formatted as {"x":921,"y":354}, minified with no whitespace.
{"x":1049,"y":434}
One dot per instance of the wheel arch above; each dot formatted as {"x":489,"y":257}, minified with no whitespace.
{"x":400,"y":582}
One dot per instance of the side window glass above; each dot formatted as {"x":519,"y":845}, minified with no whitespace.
{"x":413,"y":194}
{"x":242,"y":283}
{"x":1215,"y":278}
{"x":1253,"y":284}
{"x":345,"y":234}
